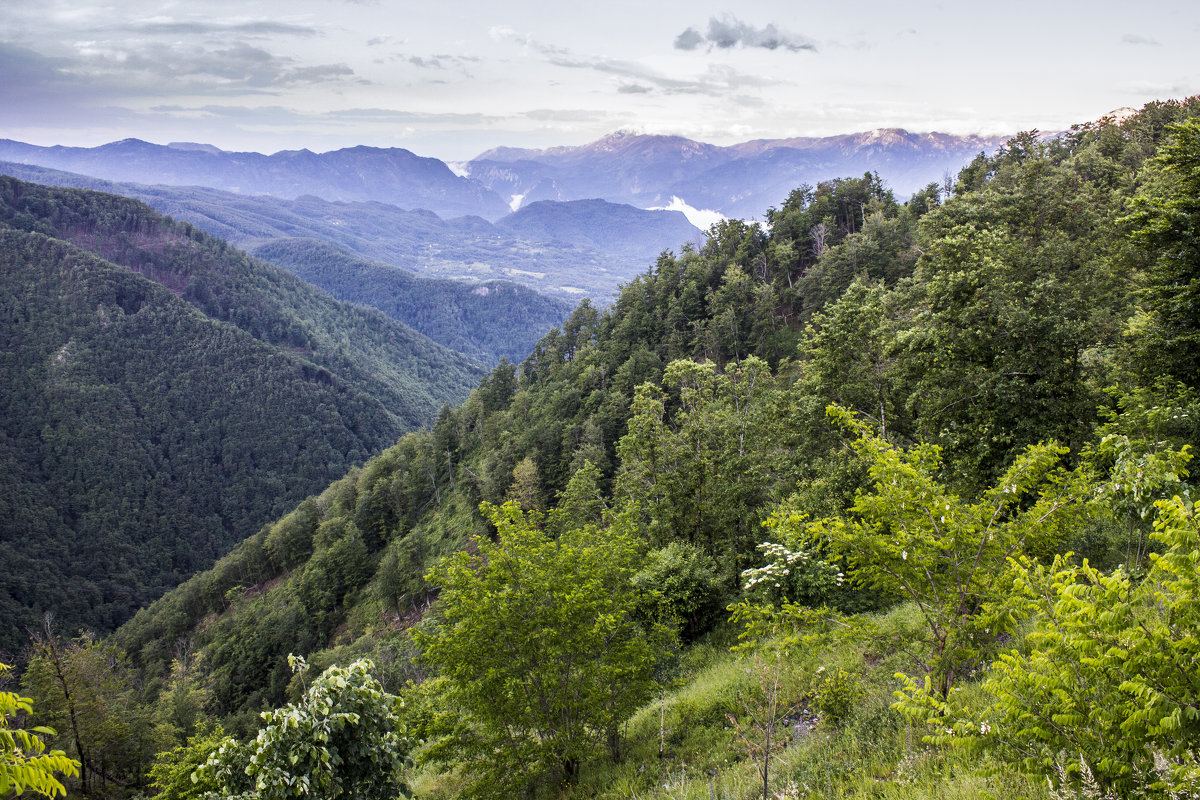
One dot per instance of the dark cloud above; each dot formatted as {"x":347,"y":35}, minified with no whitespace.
{"x":633,"y":88}
{"x":96,"y":74}
{"x":237,"y":67}
{"x":1133,"y":38}
{"x":728,"y":31}
{"x":689,"y":40}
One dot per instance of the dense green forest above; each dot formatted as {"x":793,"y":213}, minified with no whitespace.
{"x":879,"y":499}
{"x":487,"y":321}
{"x":164,"y":395}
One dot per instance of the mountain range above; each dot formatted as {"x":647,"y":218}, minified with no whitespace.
{"x":645,"y":171}
{"x":389,"y":175}
{"x":740,"y":180}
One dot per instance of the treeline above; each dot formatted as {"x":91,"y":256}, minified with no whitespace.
{"x":1012,"y":366}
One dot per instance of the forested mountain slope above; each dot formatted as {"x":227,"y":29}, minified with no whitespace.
{"x":1011,"y":382}
{"x":487,"y":321}
{"x":164,"y":395}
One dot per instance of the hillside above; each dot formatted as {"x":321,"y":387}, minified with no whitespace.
{"x":166,"y":395}
{"x":486,"y":321}
{"x":631,"y":234}
{"x":885,"y":435}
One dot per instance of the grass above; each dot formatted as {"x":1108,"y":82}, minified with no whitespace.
{"x":682,"y":746}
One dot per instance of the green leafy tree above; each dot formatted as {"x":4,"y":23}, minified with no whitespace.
{"x":1104,"y":690}
{"x":87,"y":693}
{"x":343,"y":739}
{"x":174,"y":772}
{"x":24,"y":763}
{"x":538,"y":642}
{"x":1167,"y":222}
{"x":907,"y":536}
{"x":703,"y":454}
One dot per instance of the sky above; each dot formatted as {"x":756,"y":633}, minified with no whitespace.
{"x":452,"y":78}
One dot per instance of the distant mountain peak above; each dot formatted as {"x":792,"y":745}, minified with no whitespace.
{"x":1119,"y":115}
{"x":198,"y":146}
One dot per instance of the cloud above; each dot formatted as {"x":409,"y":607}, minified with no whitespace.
{"x":426,"y":63}
{"x":689,"y":40}
{"x":1133,"y":38}
{"x":728,"y":31}
{"x":441,"y":60}
{"x":717,"y":80}
{"x":205,"y":28}
{"x":1145,"y":88}
{"x":95,"y":71}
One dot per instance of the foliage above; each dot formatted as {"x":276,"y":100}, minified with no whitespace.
{"x":980,"y":321}
{"x":679,"y":583}
{"x":86,"y":691}
{"x":344,"y":738}
{"x":1144,"y":451}
{"x":165,"y":395}
{"x":1103,"y":681}
{"x":702,"y":472}
{"x":538,"y":641}
{"x":837,"y":695}
{"x":1167,"y":222}
{"x":174,"y":772}
{"x":908,"y":536}
{"x":24,"y":763}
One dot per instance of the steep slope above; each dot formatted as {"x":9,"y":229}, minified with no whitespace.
{"x":164,"y":395}
{"x":487,"y":321}
{"x":389,"y":175}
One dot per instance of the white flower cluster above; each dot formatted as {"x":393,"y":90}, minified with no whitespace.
{"x":779,"y":564}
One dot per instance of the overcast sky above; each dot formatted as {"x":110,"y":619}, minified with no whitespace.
{"x":451,"y":78}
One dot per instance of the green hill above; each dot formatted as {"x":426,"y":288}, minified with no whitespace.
{"x":164,"y":395}
{"x":487,"y":321}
